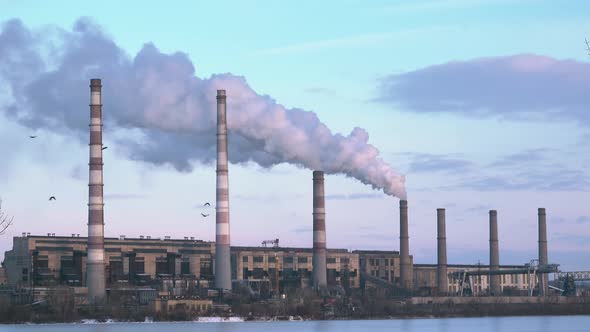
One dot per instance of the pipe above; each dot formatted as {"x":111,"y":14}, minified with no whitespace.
{"x":222,"y":239}
{"x":95,"y":268}
{"x":495,"y":288}
{"x":319,"y":231}
{"x":543,"y":260}
{"x":404,"y":247}
{"x":442,"y":279}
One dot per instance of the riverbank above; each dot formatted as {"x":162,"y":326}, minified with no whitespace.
{"x":260,"y":312}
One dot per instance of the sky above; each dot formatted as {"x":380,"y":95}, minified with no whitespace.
{"x":467,"y":105}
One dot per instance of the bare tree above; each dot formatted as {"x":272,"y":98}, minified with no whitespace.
{"x":5,"y":222}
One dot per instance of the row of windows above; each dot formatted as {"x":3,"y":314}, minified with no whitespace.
{"x":289,"y":259}
{"x":376,"y":261}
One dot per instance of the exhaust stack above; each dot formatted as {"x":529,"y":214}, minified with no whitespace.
{"x":495,"y":288}
{"x":442,"y":279}
{"x":543,"y":260}
{"x":95,"y":269}
{"x":404,"y":247}
{"x":319,"y":231}
{"x":222,"y":240}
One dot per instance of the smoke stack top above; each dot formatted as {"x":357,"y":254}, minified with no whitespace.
{"x":160,"y":96}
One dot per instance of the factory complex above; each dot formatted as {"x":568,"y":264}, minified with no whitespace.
{"x":180,"y":265}
{"x":96,"y":265}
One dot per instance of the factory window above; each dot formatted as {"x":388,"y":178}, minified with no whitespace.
{"x":185,"y":268}
{"x":377,"y":262}
{"x":344,"y":260}
{"x":258,"y":273}
{"x":386,"y":262}
{"x":301,"y":260}
{"x":386,"y":275}
{"x":371,"y":262}
{"x":245,"y":259}
{"x":245,"y":273}
{"x":161,"y":265}
{"x":288,"y":260}
{"x":331,"y":260}
{"x":42,"y":263}
{"x":272,"y":259}
{"x":258,"y":259}
{"x":139,"y":267}
{"x":205,"y":267}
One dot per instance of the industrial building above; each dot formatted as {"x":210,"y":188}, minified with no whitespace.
{"x":42,"y":261}
{"x":426,"y":279}
{"x":182,"y":265}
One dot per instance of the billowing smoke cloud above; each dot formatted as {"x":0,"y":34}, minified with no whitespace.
{"x":46,"y":73}
{"x":519,"y":86}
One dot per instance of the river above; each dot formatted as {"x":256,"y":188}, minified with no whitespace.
{"x":486,"y":324}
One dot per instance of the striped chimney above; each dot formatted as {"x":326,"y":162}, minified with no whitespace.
{"x":404,"y":247}
{"x":495,"y":288}
{"x":222,"y":243}
{"x":319,"y":231}
{"x":95,"y":268}
{"x":543,"y":260}
{"x":442,"y":279}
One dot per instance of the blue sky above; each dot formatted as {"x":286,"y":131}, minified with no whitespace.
{"x":469,"y":133}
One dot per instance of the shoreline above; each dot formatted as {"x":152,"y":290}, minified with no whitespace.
{"x":239,"y":319}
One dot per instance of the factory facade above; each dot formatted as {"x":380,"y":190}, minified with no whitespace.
{"x":42,"y":261}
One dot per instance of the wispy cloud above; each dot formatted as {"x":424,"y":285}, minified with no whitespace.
{"x":352,"y":41}
{"x":518,"y":159}
{"x":124,"y":196}
{"x":519,"y":87}
{"x":266,"y":198}
{"x":430,"y":5}
{"x":479,"y":208}
{"x":302,"y":229}
{"x":544,"y":180}
{"x":355,"y":196}
{"x":428,"y":163}
{"x":583,"y":220}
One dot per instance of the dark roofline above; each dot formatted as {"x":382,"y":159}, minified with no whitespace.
{"x":377,"y":252}
{"x":483,"y":266}
{"x":286,"y":249}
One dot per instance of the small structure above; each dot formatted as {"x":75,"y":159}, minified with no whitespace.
{"x":169,"y":304}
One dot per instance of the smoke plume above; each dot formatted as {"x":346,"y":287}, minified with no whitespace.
{"x":45,"y":75}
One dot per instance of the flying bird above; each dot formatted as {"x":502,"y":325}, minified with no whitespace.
{"x":105,"y":147}
{"x":32,"y":136}
{"x":204,"y":215}
{"x":207,"y":204}
{"x":52,"y":198}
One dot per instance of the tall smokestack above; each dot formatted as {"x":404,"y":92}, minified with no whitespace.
{"x":319,"y":231}
{"x":404,"y":246}
{"x":543,"y":260}
{"x":442,"y":280}
{"x":494,"y":254}
{"x":95,"y":269}
{"x":222,"y":243}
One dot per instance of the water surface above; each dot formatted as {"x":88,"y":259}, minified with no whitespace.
{"x":487,"y":324}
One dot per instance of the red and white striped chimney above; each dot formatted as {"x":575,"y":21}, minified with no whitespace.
{"x":95,"y":268}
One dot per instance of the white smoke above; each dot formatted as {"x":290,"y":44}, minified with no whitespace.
{"x":46,"y":74}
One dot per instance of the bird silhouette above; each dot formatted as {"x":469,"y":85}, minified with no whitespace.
{"x":32,"y":136}
{"x":204,"y":215}
{"x":207,"y":204}
{"x":52,"y":198}
{"x":105,"y":147}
